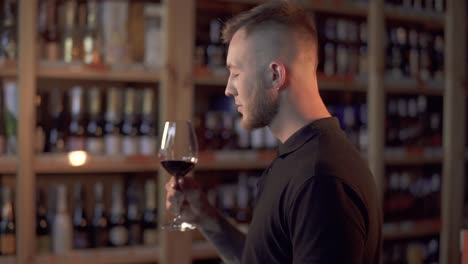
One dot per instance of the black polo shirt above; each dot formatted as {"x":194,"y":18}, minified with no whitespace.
{"x":316,"y":203}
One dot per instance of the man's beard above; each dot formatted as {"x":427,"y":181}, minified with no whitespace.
{"x":263,"y":109}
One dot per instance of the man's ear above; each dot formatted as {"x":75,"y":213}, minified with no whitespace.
{"x":277,"y":75}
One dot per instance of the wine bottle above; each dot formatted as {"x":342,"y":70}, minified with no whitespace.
{"x":92,"y":35}
{"x":50,"y":35}
{"x":55,"y":129}
{"x":42,"y":225}
{"x":76,"y":139}
{"x":100,"y":222}
{"x":112,"y":137}
{"x":147,"y":127}
{"x":118,"y":232}
{"x":94,"y":128}
{"x":62,"y":224}
{"x":7,"y":224}
{"x":80,"y":220}
{"x":70,"y":45}
{"x":133,"y":217}
{"x":150,"y":216}
{"x":129,"y":126}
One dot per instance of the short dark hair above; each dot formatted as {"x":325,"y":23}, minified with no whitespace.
{"x":276,"y":12}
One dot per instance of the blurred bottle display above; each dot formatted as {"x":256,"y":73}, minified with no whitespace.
{"x":133,"y":216}
{"x":86,"y":33}
{"x":421,"y":6}
{"x":78,"y":120}
{"x":415,"y":54}
{"x":7,"y":223}
{"x":412,"y":251}
{"x":414,"y":126}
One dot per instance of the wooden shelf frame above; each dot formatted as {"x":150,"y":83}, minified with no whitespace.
{"x":90,"y":74}
{"x":122,"y":255}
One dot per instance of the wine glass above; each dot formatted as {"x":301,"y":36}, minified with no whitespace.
{"x":178,"y":154}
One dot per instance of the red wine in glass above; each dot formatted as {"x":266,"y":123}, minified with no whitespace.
{"x":178,"y":153}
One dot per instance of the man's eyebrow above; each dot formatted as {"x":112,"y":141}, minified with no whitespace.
{"x":230,"y":66}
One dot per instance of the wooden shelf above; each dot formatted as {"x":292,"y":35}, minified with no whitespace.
{"x":238,"y":160}
{"x":8,"y":71}
{"x":132,"y":74}
{"x":412,"y":160}
{"x":429,"y":19}
{"x":60,"y":163}
{"x":333,"y":83}
{"x":413,"y":87}
{"x":340,"y":8}
{"x":106,"y":255}
{"x":8,"y":164}
{"x":203,"y":250}
{"x":8,"y":259}
{"x":417,"y":229}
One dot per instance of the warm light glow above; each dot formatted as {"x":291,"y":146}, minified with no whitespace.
{"x":77,"y":158}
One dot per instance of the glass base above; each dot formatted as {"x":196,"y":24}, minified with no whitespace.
{"x":178,"y":225}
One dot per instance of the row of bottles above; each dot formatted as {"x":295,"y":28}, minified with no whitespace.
{"x":342,"y":46}
{"x":223,"y":131}
{"x":414,"y":125}
{"x":113,"y":121}
{"x":87,"y":32}
{"x":212,"y":55}
{"x":424,"y":250}
{"x":415,"y":54}
{"x":59,"y":229}
{"x":428,"y":6}
{"x":412,"y":194}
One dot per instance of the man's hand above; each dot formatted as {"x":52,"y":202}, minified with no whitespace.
{"x":187,"y":198}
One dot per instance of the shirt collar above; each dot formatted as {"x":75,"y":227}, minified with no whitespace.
{"x":304,"y":134}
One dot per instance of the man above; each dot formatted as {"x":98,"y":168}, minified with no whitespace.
{"x":317,"y":202}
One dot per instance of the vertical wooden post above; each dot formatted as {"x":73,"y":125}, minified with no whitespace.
{"x":376,"y":92}
{"x":176,"y":93}
{"x":453,"y":175}
{"x":25,"y":179}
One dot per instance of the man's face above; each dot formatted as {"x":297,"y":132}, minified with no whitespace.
{"x":248,"y":82}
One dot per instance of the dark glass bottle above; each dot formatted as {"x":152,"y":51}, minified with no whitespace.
{"x":129,"y":126}
{"x":94,"y":127}
{"x":42,"y":225}
{"x":147,"y":128}
{"x":76,"y":134}
{"x":133,"y":217}
{"x":100,"y":222}
{"x":7,"y":224}
{"x":150,"y":215}
{"x":112,"y":136}
{"x":80,"y":221}
{"x":118,"y":232}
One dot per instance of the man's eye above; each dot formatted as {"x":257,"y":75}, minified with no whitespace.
{"x":235,"y":74}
